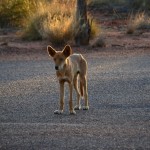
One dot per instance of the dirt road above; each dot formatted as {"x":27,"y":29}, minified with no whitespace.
{"x":119,"y":95}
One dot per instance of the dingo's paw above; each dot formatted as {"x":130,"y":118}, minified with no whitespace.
{"x":72,"y":112}
{"x":86,"y":108}
{"x":77,"y":107}
{"x":58,"y":112}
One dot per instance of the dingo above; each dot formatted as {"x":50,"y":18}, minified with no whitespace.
{"x":68,"y":66}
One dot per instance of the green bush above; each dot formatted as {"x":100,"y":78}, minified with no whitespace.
{"x":12,"y":12}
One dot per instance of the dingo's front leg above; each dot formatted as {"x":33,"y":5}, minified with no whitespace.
{"x":60,"y":111}
{"x":70,"y":100}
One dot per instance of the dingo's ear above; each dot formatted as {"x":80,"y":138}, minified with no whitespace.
{"x":51,"y":51}
{"x":67,"y":51}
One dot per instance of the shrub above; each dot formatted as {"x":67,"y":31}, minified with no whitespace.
{"x":14,"y":12}
{"x":53,"y":21}
{"x":139,"y":20}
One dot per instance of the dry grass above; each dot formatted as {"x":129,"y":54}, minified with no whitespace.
{"x":95,"y":28}
{"x":136,"y":21}
{"x":53,"y":21}
{"x":59,"y":25}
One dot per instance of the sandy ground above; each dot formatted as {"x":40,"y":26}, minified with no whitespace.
{"x":119,"y":95}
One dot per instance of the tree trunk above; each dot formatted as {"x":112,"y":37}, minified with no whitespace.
{"x":82,"y":34}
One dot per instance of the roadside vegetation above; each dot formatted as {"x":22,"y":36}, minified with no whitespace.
{"x":54,"y":20}
{"x":137,"y":12}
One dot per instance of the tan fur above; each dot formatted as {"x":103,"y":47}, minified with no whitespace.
{"x":71,"y":68}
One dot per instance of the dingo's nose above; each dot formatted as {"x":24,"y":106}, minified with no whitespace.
{"x":56,"y":67}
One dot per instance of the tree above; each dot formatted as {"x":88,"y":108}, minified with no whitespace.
{"x":82,"y":34}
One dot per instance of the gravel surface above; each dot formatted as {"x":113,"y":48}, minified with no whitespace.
{"x":119,"y":96}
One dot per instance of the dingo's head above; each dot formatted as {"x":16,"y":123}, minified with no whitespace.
{"x":59,"y":56}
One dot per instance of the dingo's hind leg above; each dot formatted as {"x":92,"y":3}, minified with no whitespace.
{"x":75,"y":82}
{"x":84,"y":82}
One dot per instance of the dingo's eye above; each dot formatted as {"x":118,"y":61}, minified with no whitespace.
{"x":61,"y":59}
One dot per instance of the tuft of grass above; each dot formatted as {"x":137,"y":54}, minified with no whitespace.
{"x":99,"y":42}
{"x":95,"y":29}
{"x":136,"y":21}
